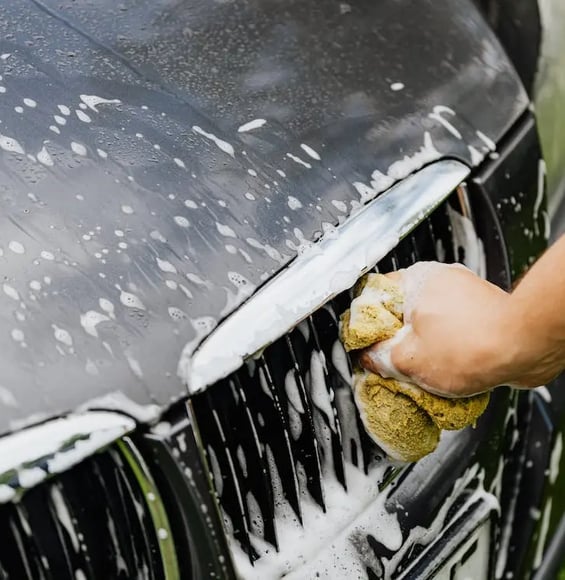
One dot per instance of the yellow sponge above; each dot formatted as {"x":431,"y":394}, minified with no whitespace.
{"x":401,"y":417}
{"x":403,"y":430}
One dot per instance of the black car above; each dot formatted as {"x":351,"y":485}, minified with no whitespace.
{"x":188,"y":191}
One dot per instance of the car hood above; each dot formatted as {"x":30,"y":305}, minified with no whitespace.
{"x":159,"y":161}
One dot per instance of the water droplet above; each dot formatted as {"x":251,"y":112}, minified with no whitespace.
{"x":166,"y":266}
{"x":83,"y":116}
{"x":18,"y":335}
{"x":131,"y":300}
{"x":225,"y":230}
{"x":16,"y":247}
{"x":107,"y":307}
{"x":294,"y":203}
{"x":176,"y":313}
{"x":156,"y":235}
{"x":78,"y":148}
{"x":62,"y":335}
{"x":44,"y":157}
{"x":10,"y":292}
{"x":181,"y":221}
{"x":90,"y":320}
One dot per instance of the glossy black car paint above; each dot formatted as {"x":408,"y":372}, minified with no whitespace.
{"x":518,"y":27}
{"x":319,"y":73}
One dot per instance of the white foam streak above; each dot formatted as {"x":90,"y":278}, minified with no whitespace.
{"x":223,"y":145}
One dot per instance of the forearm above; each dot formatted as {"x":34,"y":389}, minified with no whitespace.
{"x":536,"y":321}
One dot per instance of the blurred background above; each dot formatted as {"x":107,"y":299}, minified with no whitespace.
{"x":550,"y":98}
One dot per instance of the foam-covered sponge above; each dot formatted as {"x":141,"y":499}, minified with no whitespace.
{"x":403,"y":419}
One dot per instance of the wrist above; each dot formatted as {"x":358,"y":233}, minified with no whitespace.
{"x":525,"y":347}
{"x":505,"y":352}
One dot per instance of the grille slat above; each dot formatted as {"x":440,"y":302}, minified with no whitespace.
{"x":281,"y":448}
{"x":67,"y":525}
{"x":259,"y":494}
{"x":239,"y":435}
{"x":31,"y":547}
{"x":46,"y":533}
{"x":24,"y":559}
{"x":226,"y":481}
{"x":322,"y":397}
{"x":140,"y":555}
{"x":305,"y":442}
{"x":339,"y":379}
{"x":441,"y":233}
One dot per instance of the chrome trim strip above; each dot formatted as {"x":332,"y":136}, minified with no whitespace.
{"x":32,"y":455}
{"x":324,"y":270}
{"x":431,"y":563}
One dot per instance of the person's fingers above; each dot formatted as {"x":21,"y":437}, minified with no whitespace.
{"x":379,"y":357}
{"x":401,"y":361}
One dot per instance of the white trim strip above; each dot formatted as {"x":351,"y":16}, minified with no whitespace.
{"x":32,"y":455}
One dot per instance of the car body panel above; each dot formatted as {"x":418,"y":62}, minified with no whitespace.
{"x":134,"y":213}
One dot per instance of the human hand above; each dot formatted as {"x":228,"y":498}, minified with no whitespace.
{"x":457,"y":338}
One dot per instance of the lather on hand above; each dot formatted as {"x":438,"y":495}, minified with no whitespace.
{"x":464,"y":335}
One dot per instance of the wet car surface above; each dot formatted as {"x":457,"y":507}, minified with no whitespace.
{"x":160,"y":163}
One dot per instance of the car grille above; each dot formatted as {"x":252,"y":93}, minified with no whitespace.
{"x":90,"y":522}
{"x":283,"y":430}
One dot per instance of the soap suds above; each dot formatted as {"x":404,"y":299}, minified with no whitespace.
{"x":10,"y":291}
{"x":44,"y":157}
{"x":252,"y":125}
{"x":78,"y":148}
{"x":437,"y":115}
{"x":301,"y":544}
{"x":92,"y":102}
{"x":293,"y":202}
{"x":90,"y":320}
{"x":310,"y":152}
{"x":465,"y":237}
{"x":181,"y":221}
{"x":222,"y":145}
{"x":11,"y":145}
{"x":489,"y":143}
{"x":299,"y":161}
{"x":16,"y":247}
{"x":397,"y":170}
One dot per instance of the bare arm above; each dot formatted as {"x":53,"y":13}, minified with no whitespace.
{"x":465,"y":335}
